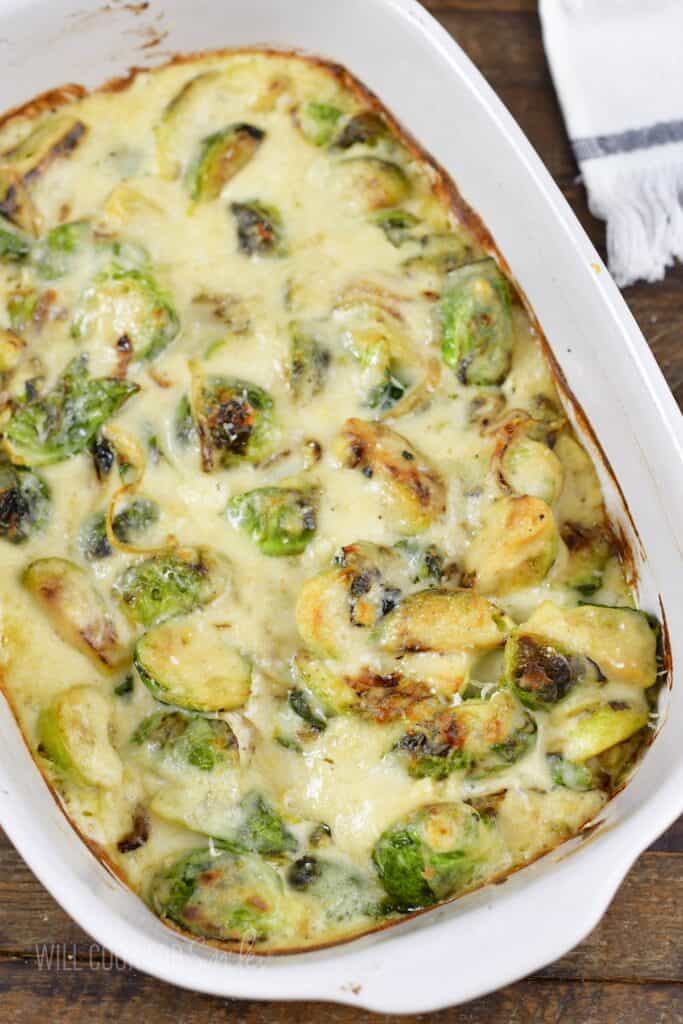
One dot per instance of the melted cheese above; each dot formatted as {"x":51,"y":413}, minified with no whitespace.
{"x":126,"y":179}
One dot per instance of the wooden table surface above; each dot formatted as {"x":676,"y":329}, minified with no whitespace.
{"x":630,"y":969}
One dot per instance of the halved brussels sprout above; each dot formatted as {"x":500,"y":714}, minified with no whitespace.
{"x":128,"y":302}
{"x":515,"y":547}
{"x":479,"y":737}
{"x":426,"y":562}
{"x":221,"y":156}
{"x":24,"y":308}
{"x":622,"y":642}
{"x":414,"y":489}
{"x":602,"y":728}
{"x":259,"y":229}
{"x":63,"y":422}
{"x":180,"y":739}
{"x":433,"y":854}
{"x":171,"y":584}
{"x":127,"y":525}
{"x":570,"y":774}
{"x":14,"y":248}
{"x":329,"y":689}
{"x":11,"y":348}
{"x":476,"y":325}
{"x":317,"y":121}
{"x":24,"y":503}
{"x":370,"y":183}
{"x":56,"y":135}
{"x":530,"y":467}
{"x":255,"y":827}
{"x":344,"y":893}
{"x":73,"y":733}
{"x":441,"y":253}
{"x":364,"y":129}
{"x":397,"y":225}
{"x":224,"y":896}
{"x":309,"y":362}
{"x":446,"y":621}
{"x":589,"y":549}
{"x":234,"y":418}
{"x":540,"y":673}
{"x":192,"y":667}
{"x":54,"y":256}
{"x":166,"y":131}
{"x":75,"y":610}
{"x":281,"y":520}
{"x":356,"y":593}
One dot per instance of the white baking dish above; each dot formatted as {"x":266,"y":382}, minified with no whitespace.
{"x":501,"y":933}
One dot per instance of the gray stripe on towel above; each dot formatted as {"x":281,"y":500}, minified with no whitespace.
{"x":626,"y":142}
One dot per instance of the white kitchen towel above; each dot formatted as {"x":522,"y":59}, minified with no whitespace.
{"x":618,"y":71}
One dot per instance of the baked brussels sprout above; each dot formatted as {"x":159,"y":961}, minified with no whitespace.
{"x":128,"y":301}
{"x":317,"y":121}
{"x":478,"y":737}
{"x":75,"y":610}
{"x":235,"y":421}
{"x":530,"y":467}
{"x":439,"y":254}
{"x":171,"y":584}
{"x":515,"y":547}
{"x":11,"y":348}
{"x":63,"y":422}
{"x":415,"y":491}
{"x":570,"y":774}
{"x":446,"y":621}
{"x":602,"y":728}
{"x":55,"y":136}
{"x":357,"y":592}
{"x":220,"y":157}
{"x":370,"y":183}
{"x":255,"y":827}
{"x":191,"y":666}
{"x":476,"y":325}
{"x":589,"y":549}
{"x":433,"y":854}
{"x":73,"y":733}
{"x":179,"y":739}
{"x":621,"y":642}
{"x":540,"y":673}
{"x":343,"y":893}
{"x":309,"y":711}
{"x":309,"y":363}
{"x":24,"y":503}
{"x":225,"y":896}
{"x":425,"y":561}
{"x":24,"y":308}
{"x":260,"y":231}
{"x":329,"y":690}
{"x":166,"y":132}
{"x":398,"y":225}
{"x":280,"y":520}
{"x":54,"y":256}
{"x":128,"y":525}
{"x":364,"y":129}
{"x":14,"y":248}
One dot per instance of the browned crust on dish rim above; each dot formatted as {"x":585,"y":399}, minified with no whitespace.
{"x":445,"y":189}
